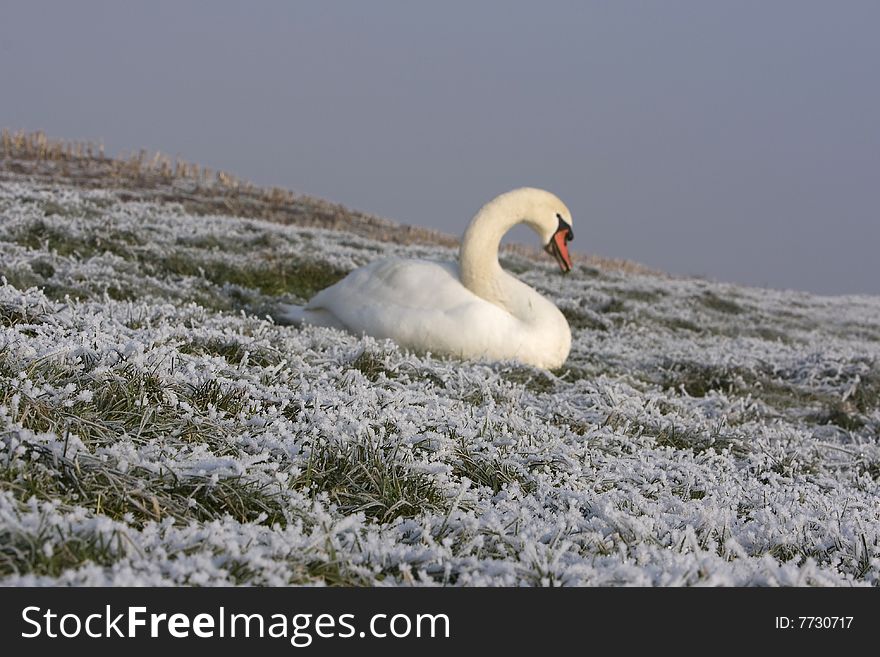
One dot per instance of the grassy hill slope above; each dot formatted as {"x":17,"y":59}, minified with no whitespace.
{"x":158,"y":427}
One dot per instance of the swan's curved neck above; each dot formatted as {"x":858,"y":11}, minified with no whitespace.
{"x":478,"y":256}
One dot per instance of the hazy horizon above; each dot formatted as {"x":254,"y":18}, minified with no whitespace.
{"x":737,"y":141}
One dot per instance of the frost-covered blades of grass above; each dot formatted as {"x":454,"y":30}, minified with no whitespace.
{"x":156,"y":427}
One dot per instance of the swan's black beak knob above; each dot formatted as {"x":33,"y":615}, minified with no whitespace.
{"x":558,"y":245}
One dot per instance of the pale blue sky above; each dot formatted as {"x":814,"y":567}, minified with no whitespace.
{"x":736,"y":140}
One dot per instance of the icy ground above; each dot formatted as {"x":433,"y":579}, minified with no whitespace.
{"x":157,"y":428}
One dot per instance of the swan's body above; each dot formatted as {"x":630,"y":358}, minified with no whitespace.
{"x":472,"y":309}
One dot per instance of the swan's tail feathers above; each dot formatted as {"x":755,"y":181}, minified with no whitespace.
{"x":287,"y":313}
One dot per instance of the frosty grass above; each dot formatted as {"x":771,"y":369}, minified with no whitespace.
{"x":157,"y":427}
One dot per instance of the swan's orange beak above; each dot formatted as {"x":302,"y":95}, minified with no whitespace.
{"x":558,"y":245}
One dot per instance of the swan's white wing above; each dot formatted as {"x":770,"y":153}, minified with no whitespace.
{"x":421,"y":305}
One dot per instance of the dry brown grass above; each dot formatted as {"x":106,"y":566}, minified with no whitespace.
{"x":201,"y":190}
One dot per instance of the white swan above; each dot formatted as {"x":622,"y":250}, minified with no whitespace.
{"x":472,"y":309}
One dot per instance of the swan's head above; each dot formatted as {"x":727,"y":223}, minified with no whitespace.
{"x":549,"y":217}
